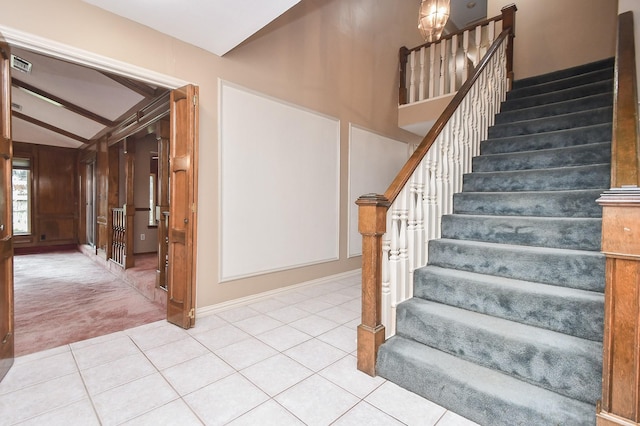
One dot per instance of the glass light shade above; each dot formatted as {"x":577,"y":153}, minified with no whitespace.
{"x":432,"y":17}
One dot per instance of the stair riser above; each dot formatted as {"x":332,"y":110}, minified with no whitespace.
{"x":558,"y":96}
{"x":567,"y":107}
{"x":605,"y":64}
{"x":576,"y":234}
{"x":575,"y":314}
{"x":549,"y":140}
{"x":554,"y":367}
{"x":581,"y":177}
{"x":548,"y":204}
{"x":438,"y":382}
{"x":550,"y":124}
{"x":574,"y":269}
{"x":547,"y":158}
{"x":552,"y":86}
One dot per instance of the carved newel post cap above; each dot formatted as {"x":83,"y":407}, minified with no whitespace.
{"x":373,"y":199}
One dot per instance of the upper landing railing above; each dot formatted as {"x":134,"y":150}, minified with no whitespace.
{"x":441,"y":67}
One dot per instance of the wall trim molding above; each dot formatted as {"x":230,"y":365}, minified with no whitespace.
{"x":225,"y":306}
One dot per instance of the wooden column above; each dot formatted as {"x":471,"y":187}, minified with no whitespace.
{"x":509,"y":21}
{"x":620,"y":404}
{"x":372,"y":222}
{"x":402,"y":92}
{"x":129,"y":205}
{"x":112,"y":179}
{"x":163,"y":135}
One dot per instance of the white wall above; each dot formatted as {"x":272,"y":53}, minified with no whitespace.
{"x":633,"y":6}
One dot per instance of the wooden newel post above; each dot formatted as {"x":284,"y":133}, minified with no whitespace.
{"x":372,"y":223}
{"x":509,"y":21}
{"x":620,"y":404}
{"x":402,"y":91}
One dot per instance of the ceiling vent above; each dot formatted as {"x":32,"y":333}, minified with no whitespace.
{"x":16,"y":106}
{"x":17,"y":63}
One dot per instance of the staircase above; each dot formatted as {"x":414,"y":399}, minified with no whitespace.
{"x":506,"y":323}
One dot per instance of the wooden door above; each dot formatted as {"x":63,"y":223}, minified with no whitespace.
{"x":182,"y":206}
{"x":6,"y":228}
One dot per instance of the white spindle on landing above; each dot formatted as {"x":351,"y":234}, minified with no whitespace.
{"x":414,"y":216}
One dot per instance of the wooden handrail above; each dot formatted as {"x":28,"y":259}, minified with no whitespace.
{"x":625,"y":153}
{"x":508,"y":22}
{"x":410,"y":166}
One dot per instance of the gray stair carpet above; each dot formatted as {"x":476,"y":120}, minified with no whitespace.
{"x":506,"y":323}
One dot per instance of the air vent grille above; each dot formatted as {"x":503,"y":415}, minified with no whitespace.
{"x":20,"y":64}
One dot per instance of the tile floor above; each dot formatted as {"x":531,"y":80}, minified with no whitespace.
{"x":285,"y":360}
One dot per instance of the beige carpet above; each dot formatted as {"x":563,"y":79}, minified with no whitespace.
{"x":65,"y":297}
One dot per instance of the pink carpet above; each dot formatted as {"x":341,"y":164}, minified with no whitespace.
{"x":65,"y":297}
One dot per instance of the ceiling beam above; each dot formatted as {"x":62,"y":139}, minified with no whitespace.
{"x":138,"y":87}
{"x":47,"y":126}
{"x":63,"y":102}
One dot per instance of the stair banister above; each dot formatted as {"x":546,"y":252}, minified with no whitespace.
{"x":411,"y":208}
{"x":620,"y":403}
{"x":418,"y":82}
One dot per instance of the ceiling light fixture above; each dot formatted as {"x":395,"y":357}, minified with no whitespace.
{"x":432,"y":17}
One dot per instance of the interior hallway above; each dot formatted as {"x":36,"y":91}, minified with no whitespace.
{"x":65,"y":297}
{"x":284,"y":360}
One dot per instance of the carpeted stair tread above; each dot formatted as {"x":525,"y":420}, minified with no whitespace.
{"x":592,"y":176}
{"x":569,"y":203}
{"x":550,"y":124}
{"x":544,"y":358}
{"x":572,"y":81}
{"x":562,"y":267}
{"x":605,"y":86}
{"x":556,"y":139}
{"x":549,"y":110}
{"x":481,"y":394}
{"x":555,"y":232}
{"x":566,"y":310}
{"x":607,"y":63}
{"x":595,"y":153}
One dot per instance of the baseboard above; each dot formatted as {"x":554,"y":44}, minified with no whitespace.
{"x":224,"y":306}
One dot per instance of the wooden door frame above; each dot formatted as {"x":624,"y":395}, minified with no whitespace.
{"x":71,"y":54}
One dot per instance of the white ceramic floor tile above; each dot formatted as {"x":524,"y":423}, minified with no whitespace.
{"x":405,"y":406}
{"x":288,"y":314}
{"x":334,"y":299}
{"x":312,"y":305}
{"x":197,"y":373}
{"x":158,"y":336}
{"x":221,"y":337}
{"x":452,"y":419}
{"x":344,"y":338}
{"x":353,"y":291}
{"x":245,"y":353}
{"x":314,"y":325}
{"x":365,"y":414}
{"x":41,"y":398}
{"x":291,"y":297}
{"x":345,"y":374}
{"x":268,"y":414}
{"x":315,"y":354}
{"x":276,"y":374}
{"x":38,"y":370}
{"x":43,"y":354}
{"x":258,"y":324}
{"x":354,"y":305}
{"x":143,"y":327}
{"x":174,"y":413}
{"x":102,"y":353}
{"x":267,"y":305}
{"x":225,"y":400}
{"x":238,"y":314}
{"x":283,"y":338}
{"x":115,"y":373}
{"x":175,"y":352}
{"x":133,"y":399}
{"x":79,"y":413}
{"x":96,"y":340}
{"x":207,"y":322}
{"x":316,"y":401}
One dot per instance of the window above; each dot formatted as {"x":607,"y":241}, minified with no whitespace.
{"x":21,"y":186}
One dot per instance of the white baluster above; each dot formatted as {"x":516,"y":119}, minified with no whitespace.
{"x":386,"y":284}
{"x":454,"y":70}
{"x":419,"y":218}
{"x":421,"y":89}
{"x":412,"y":81}
{"x":491,"y":33}
{"x":432,"y":70}
{"x":403,"y":256}
{"x":443,"y":46}
{"x":478,"y":45}
{"x":465,"y":65}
